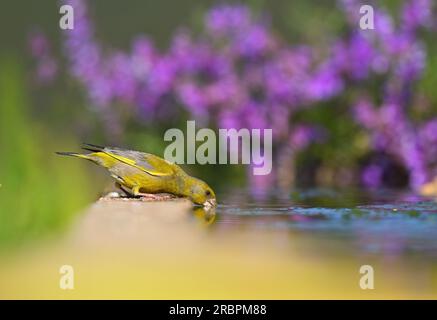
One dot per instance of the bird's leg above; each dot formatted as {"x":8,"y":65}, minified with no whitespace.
{"x":125,"y":191}
{"x":135,"y":191}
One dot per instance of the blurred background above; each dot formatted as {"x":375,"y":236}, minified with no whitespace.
{"x":349,"y":108}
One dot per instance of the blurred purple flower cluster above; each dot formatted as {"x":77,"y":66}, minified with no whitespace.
{"x":398,"y":53}
{"x":239,"y":74}
{"x":236,"y":74}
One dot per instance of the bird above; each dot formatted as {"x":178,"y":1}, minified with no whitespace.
{"x":141,"y":174}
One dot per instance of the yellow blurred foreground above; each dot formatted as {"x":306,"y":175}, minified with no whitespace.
{"x":160,"y":250}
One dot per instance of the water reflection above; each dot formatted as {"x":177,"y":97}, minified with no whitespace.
{"x":206,"y":216}
{"x":387,"y":222}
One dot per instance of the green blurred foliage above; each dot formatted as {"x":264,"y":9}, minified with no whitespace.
{"x":38,"y":192}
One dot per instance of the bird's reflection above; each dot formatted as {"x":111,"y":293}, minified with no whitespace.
{"x":205,"y":215}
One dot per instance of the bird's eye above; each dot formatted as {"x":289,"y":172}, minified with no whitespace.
{"x":208,"y":193}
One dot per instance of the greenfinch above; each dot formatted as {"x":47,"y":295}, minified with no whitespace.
{"x":144,"y":174}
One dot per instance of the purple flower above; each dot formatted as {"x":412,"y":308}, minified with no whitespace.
{"x":143,"y":58}
{"x":411,"y":64}
{"x":355,"y":57}
{"x":38,"y":44}
{"x":365,"y":114}
{"x":302,"y":136}
{"x":325,"y":83}
{"x":122,"y":78}
{"x":227,"y":19}
{"x":428,"y":133}
{"x":416,"y":13}
{"x":256,"y":41}
{"x":47,"y":67}
{"x":193,"y":98}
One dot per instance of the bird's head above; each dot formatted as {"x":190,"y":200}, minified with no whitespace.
{"x":200,"y":193}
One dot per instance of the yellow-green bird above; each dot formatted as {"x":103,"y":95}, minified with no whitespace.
{"x":141,"y":174}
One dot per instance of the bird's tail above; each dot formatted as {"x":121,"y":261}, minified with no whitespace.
{"x":98,"y":157}
{"x":86,"y":146}
{"x":92,"y":147}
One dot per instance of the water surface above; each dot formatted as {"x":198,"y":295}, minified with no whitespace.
{"x":385,"y":223}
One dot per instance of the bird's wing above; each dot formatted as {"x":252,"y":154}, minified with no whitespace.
{"x":146,"y":162}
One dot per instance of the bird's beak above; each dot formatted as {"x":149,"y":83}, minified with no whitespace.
{"x":210,"y":203}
